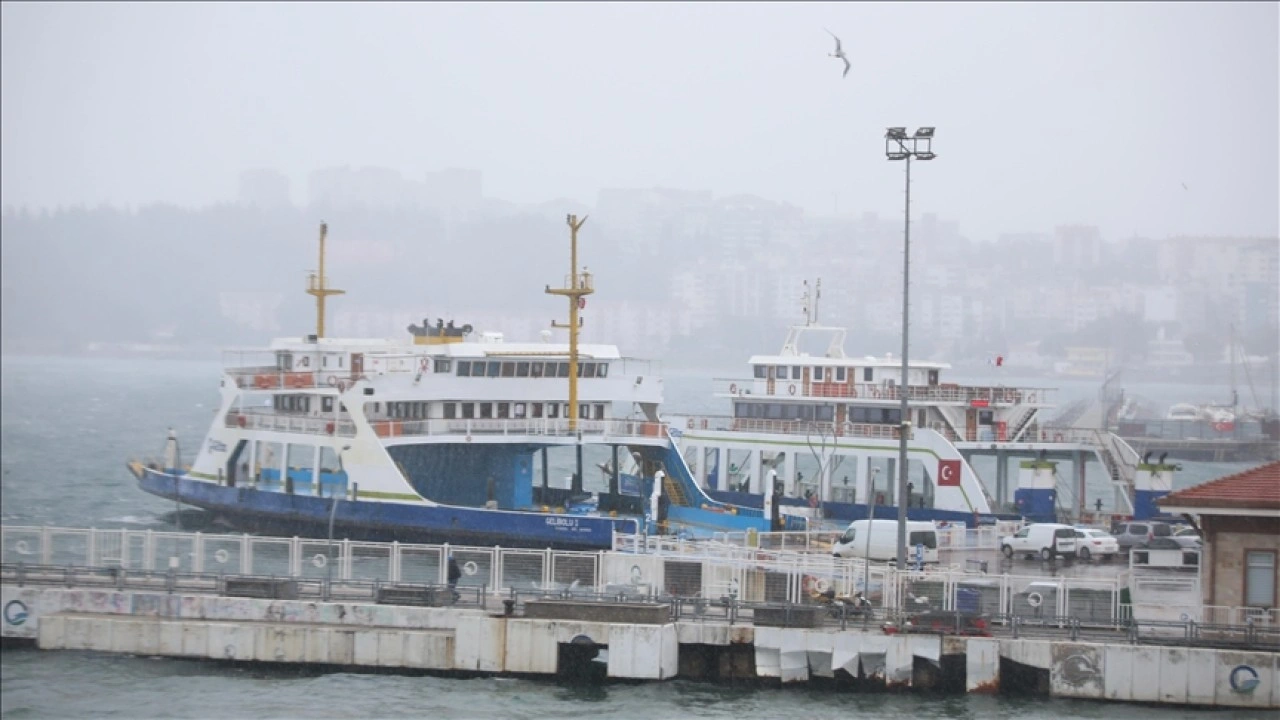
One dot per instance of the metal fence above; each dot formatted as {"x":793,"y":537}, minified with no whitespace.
{"x":788,"y":572}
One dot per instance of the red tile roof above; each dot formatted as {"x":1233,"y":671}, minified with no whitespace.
{"x":1258,"y":489}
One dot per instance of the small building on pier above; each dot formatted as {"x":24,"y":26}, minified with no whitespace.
{"x":1239,"y":521}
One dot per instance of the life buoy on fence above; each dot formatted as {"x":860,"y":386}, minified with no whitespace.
{"x":822,"y":585}
{"x":332,"y":381}
{"x":319,"y":560}
{"x":221,"y":555}
{"x":21,"y":547}
{"x":328,"y":428}
{"x":470,"y":568}
{"x":241,"y":421}
{"x":1035,"y":600}
{"x":791,"y":389}
{"x":733,"y":388}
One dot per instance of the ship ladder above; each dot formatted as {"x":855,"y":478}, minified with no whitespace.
{"x":674,"y":491}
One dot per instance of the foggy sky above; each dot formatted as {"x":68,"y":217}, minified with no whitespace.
{"x":1046,"y":114}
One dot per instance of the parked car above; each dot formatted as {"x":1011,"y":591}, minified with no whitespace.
{"x":1091,"y":542}
{"x":1044,"y":539}
{"x":1129,"y":534}
{"x":1188,"y":537}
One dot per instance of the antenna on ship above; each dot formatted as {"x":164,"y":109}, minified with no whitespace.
{"x":811,"y":310}
{"x":577,"y":287}
{"x":318,"y":284}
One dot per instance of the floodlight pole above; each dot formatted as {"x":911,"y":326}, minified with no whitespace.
{"x":898,"y":137}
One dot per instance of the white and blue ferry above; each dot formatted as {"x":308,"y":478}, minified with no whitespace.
{"x":443,"y":436}
{"x":825,"y":427}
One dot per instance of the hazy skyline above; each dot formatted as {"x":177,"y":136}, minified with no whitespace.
{"x":1047,"y":114}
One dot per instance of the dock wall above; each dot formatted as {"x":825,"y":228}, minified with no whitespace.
{"x":471,"y":640}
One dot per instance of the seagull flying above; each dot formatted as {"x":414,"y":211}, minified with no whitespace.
{"x":1184,"y":186}
{"x":839,"y":53}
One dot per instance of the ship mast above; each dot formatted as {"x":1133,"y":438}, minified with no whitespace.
{"x":318,"y":285}
{"x":577,"y":287}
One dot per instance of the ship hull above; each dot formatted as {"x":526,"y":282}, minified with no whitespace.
{"x":276,"y":513}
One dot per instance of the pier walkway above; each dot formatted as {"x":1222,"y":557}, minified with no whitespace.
{"x":622,"y":615}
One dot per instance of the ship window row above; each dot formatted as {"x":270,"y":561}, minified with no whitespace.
{"x":785,"y":411}
{"x":527,"y":369}
{"x":796,"y":372}
{"x":407,"y":410}
{"x":300,"y":403}
{"x":880,"y":416}
{"x":519,"y":410}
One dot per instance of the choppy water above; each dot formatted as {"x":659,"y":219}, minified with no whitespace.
{"x":67,"y":425}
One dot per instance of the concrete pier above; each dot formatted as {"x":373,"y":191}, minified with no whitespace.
{"x":474,"y":640}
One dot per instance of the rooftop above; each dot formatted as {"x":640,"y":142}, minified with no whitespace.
{"x":1256,"y":489}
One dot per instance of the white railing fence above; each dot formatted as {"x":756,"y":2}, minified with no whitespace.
{"x":785,"y":569}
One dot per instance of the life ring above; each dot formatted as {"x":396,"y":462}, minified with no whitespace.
{"x":808,"y":583}
{"x":689,"y":425}
{"x":241,"y":421}
{"x":319,"y":560}
{"x":221,"y":555}
{"x":332,"y":381}
{"x":470,"y":567}
{"x":791,"y":389}
{"x":822,"y":585}
{"x":733,"y":388}
{"x":328,"y":428}
{"x":21,"y":547}
{"x":1035,"y":600}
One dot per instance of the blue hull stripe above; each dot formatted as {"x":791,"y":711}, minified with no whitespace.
{"x":277,"y":513}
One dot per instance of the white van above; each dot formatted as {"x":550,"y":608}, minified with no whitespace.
{"x":1043,"y":539}
{"x":883,"y":541}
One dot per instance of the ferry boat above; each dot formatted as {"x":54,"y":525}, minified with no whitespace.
{"x":438,"y":437}
{"x":825,"y":429}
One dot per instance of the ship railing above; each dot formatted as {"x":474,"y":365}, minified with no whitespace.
{"x":977,"y":396}
{"x":269,"y":420}
{"x":673,"y":566}
{"x":544,"y":427}
{"x":722,"y":423}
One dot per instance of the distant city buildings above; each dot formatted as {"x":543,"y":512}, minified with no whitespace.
{"x":692,"y":263}
{"x":264,"y":189}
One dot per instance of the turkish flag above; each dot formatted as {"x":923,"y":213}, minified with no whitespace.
{"x":948,"y":473}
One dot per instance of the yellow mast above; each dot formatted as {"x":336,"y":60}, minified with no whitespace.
{"x":317,"y":285}
{"x":577,"y":286}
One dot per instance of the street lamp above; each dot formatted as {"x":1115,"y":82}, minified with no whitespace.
{"x":898,"y":146}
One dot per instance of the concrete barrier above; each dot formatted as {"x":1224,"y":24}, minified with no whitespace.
{"x":284,"y":631}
